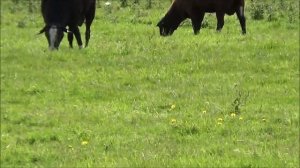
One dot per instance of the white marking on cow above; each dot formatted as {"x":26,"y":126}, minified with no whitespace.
{"x":53,"y":35}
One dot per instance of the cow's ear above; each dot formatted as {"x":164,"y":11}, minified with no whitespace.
{"x":65,"y":30}
{"x":43,"y":30}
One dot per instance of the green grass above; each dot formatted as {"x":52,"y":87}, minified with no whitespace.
{"x":141,"y":100}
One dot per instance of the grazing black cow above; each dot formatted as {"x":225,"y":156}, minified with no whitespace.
{"x":195,"y":10}
{"x":60,"y":14}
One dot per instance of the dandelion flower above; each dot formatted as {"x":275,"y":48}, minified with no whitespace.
{"x":84,"y":142}
{"x":107,"y":3}
{"x":232,"y":114}
{"x":173,"y":120}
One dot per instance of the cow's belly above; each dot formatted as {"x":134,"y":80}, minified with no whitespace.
{"x":210,"y":10}
{"x":230,"y":12}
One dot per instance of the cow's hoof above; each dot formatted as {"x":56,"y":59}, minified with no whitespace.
{"x":196,"y":32}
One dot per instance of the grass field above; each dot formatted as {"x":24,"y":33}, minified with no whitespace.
{"x":135,"y":99}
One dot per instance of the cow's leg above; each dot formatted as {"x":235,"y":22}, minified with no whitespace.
{"x":197,"y":21}
{"x":70,"y":39}
{"x":220,"y":20}
{"x":77,"y":36}
{"x":89,"y":19}
{"x":87,"y":34}
{"x":242,"y":19}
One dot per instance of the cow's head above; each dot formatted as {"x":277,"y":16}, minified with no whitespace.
{"x":54,"y":35}
{"x":171,"y":21}
{"x":166,"y":27}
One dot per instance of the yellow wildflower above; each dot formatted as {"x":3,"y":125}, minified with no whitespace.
{"x":232,"y":114}
{"x":173,"y":106}
{"x":204,"y":111}
{"x":241,"y":118}
{"x":173,"y":120}
{"x":84,"y":142}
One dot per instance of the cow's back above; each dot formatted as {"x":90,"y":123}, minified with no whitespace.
{"x":56,"y":11}
{"x":65,"y":12}
{"x":226,"y":6}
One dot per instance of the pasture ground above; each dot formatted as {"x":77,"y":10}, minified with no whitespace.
{"x":135,"y":99}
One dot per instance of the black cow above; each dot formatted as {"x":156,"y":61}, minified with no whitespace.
{"x":62,"y":14}
{"x":195,"y":10}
